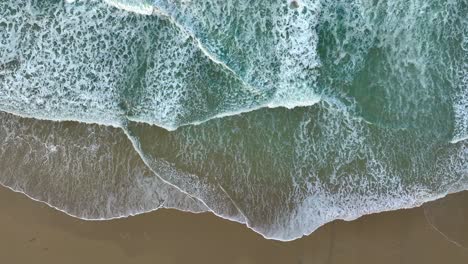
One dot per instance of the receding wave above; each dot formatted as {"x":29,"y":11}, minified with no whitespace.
{"x":88,"y":171}
{"x":372,"y":115}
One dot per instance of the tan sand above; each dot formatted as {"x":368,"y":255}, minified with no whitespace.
{"x":31,"y":232}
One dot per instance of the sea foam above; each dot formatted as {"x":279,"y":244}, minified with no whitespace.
{"x":369,"y":106}
{"x":84,"y":61}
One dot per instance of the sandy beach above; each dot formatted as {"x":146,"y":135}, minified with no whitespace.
{"x":32,"y":232}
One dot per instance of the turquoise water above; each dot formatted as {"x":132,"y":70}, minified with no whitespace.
{"x":283,"y":116}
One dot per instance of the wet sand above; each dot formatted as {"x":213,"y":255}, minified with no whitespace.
{"x":31,"y":232}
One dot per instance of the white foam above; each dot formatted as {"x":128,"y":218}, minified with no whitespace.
{"x":80,"y":64}
{"x":142,"y":7}
{"x":290,"y":45}
{"x":94,"y":64}
{"x":461,"y":98}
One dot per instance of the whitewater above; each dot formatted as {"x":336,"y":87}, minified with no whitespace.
{"x":280,"y":115}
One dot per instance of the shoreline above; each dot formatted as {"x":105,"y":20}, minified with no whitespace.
{"x":34,"y":232}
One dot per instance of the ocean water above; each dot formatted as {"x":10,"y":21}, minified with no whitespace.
{"x":282,"y":115}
